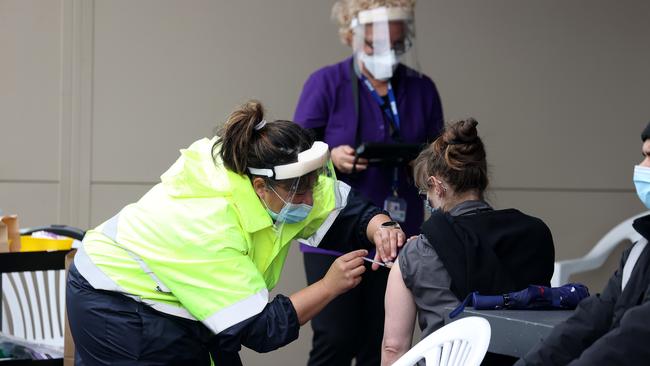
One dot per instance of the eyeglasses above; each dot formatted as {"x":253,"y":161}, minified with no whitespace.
{"x":400,"y":47}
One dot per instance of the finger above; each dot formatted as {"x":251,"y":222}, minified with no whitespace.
{"x":356,"y":272}
{"x":387,"y":240}
{"x":347,"y":149}
{"x":354,"y":254}
{"x":380,"y":249}
{"x":393,"y":244}
{"x":361,"y":167}
{"x":363,"y":161}
{"x":356,"y":262}
{"x":401,"y":238}
{"x":345,"y":167}
{"x":375,"y":266}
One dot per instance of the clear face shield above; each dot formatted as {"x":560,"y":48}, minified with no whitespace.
{"x":382,"y":39}
{"x":298,"y":184}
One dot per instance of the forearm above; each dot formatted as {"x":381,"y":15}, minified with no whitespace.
{"x":276,"y":326}
{"x":311,"y":300}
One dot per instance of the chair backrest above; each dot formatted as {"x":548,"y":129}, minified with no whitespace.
{"x":620,"y":232}
{"x":599,"y":253}
{"x":33,"y":305}
{"x":462,"y":342}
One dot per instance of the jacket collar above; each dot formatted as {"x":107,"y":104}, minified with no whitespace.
{"x":252,"y":214}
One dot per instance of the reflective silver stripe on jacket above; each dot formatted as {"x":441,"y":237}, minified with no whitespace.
{"x":110,"y":230}
{"x":100,"y":281}
{"x":341,"y":193}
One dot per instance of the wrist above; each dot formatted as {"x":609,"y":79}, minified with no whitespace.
{"x":324,"y":287}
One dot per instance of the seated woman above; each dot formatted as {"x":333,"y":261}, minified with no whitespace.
{"x":465,"y":245}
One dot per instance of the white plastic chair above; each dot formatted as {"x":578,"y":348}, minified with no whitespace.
{"x":33,"y":306}
{"x":463,"y":342}
{"x":598,"y":254}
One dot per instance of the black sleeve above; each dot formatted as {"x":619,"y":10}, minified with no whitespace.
{"x":348,"y":232}
{"x":625,"y":344}
{"x":276,"y":326}
{"x":590,"y":321}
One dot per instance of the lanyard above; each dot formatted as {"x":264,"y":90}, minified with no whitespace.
{"x":393,"y":116}
{"x":391,"y":110}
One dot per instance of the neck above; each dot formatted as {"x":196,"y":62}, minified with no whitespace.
{"x":455,"y":199}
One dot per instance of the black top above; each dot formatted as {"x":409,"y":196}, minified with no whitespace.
{"x":492,"y":251}
{"x":610,"y":328}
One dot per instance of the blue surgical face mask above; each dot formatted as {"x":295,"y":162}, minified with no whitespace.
{"x":642,"y":184}
{"x":290,"y":212}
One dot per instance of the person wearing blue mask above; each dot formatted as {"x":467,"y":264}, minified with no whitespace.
{"x":610,"y":328}
{"x":465,"y":245}
{"x":183,"y":275}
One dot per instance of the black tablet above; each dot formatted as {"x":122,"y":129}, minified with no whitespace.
{"x":389,"y":154}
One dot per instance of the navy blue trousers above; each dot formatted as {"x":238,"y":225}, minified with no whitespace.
{"x":110,"y":328}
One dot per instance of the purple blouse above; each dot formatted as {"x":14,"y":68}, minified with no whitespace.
{"x":327,"y":103}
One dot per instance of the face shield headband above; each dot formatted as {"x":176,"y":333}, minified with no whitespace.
{"x":308,"y":161}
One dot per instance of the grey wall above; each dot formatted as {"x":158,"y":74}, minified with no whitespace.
{"x":96,"y":98}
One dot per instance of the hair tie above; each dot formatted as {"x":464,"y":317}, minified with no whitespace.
{"x":260,"y":125}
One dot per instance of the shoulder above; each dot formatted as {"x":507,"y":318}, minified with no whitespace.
{"x":419,"y":263}
{"x":413,"y":252}
{"x":519,"y":218}
{"x":331,"y":74}
{"x":416,"y":78}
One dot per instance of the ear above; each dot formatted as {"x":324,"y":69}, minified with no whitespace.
{"x":439,"y":188}
{"x":259,"y":185}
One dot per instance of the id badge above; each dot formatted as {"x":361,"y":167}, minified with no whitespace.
{"x":396,"y":207}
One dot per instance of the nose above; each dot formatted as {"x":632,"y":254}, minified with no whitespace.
{"x":308,"y":199}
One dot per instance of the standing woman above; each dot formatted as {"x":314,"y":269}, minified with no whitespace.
{"x":182,"y":276}
{"x":377,"y":95}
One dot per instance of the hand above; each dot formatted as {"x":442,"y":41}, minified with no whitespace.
{"x":387,"y":240}
{"x":345,"y":273}
{"x":343,"y":159}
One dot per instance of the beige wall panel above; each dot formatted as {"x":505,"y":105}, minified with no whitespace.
{"x":166,"y":72}
{"x":34,"y":203}
{"x":560,"y":87}
{"x":576,"y":219}
{"x":30,"y":83}
{"x":107,"y":200}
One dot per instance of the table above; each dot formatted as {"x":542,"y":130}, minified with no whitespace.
{"x":515,"y":332}
{"x":31,"y":261}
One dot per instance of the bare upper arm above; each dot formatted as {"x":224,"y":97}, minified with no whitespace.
{"x":400,"y":315}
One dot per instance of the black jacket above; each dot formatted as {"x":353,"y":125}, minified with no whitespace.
{"x":612,"y":328}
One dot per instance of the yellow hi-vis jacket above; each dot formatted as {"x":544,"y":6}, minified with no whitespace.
{"x":200,"y":244}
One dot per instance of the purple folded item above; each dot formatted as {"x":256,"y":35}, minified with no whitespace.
{"x":532,"y":298}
